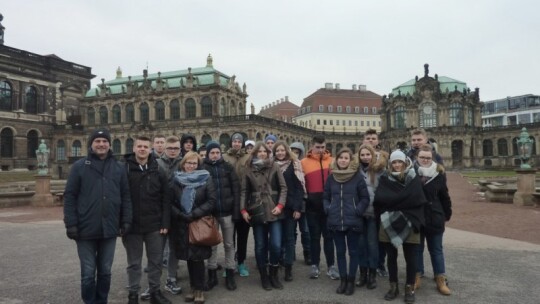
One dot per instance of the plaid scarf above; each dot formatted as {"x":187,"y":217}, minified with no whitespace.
{"x":297,"y":166}
{"x":397,"y":226}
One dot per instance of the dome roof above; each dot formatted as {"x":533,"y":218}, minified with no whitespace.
{"x":445,"y":83}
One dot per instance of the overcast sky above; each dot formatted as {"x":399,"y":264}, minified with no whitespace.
{"x":291,"y":48}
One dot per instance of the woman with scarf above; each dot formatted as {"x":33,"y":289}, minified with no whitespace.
{"x":291,"y":168}
{"x":263,"y":193}
{"x":193,"y":197}
{"x":437,"y":212}
{"x":371,"y":169}
{"x":345,"y":200}
{"x":400,"y":201}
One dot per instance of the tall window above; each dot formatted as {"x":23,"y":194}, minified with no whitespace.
{"x":400,"y":118}
{"x":502,"y":147}
{"x":321,"y":108}
{"x":374,"y":110}
{"x":191,"y":110}
{"x":240,"y":108}
{"x":222,"y":108}
{"x":206,"y":107}
{"x":31,"y":102}
{"x":160,"y":110}
{"x":487,"y":147}
{"x":103,"y":115}
{"x":175,"y":109}
{"x":130,"y":113}
{"x":6,"y":140}
{"x":366,"y":110}
{"x":428,"y":116}
{"x":76,"y":147}
{"x":5,"y":96}
{"x":117,"y":147}
{"x":60,"y":150}
{"x":470,"y":116}
{"x":116,"y":114}
{"x":330,"y":108}
{"x":356,"y":109}
{"x":129,"y":145}
{"x":456,"y":114}
{"x":339,"y":109}
{"x":91,"y":116}
{"x":348,"y":109}
{"x":145,"y":112}
{"x":31,"y":144}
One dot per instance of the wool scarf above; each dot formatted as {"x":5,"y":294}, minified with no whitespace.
{"x":428,"y":173}
{"x":190,"y":182}
{"x":297,"y":166}
{"x":344,"y":175}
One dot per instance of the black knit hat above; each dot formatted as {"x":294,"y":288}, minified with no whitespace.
{"x":103,"y":133}
{"x":212,"y":145}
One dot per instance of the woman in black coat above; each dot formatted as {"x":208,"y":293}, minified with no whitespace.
{"x":193,"y":197}
{"x":437,"y":212}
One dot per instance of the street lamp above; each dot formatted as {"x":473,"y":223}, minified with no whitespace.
{"x":42,"y":155}
{"x":524,"y":144}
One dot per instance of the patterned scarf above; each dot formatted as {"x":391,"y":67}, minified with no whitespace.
{"x":297,"y":166}
{"x":397,"y":226}
{"x":190,"y":182}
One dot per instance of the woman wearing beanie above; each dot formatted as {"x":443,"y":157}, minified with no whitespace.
{"x":437,"y":212}
{"x":263,"y":193}
{"x":400,"y":201}
{"x":371,"y":170}
{"x":291,"y":168}
{"x":345,"y":200}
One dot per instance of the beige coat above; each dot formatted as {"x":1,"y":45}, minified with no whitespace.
{"x":266,"y":185}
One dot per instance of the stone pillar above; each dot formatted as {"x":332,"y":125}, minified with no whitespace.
{"x":525,"y":187}
{"x":43,"y":196}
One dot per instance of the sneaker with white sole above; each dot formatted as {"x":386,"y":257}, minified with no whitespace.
{"x":242,"y":270}
{"x":172,"y":287}
{"x":145,"y":295}
{"x":333,"y":273}
{"x":315,"y":272}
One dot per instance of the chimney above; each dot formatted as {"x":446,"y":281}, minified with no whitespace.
{"x":354,"y":87}
{"x":362,"y":87}
{"x":273,"y":103}
{"x":337,"y":86}
{"x":282,"y":100}
{"x":328,"y":85}
{"x":286,"y":98}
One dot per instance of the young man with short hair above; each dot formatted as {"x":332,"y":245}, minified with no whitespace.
{"x":418,"y":138}
{"x":158,"y":145}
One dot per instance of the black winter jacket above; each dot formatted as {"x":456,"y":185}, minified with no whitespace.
{"x":205,"y":198}
{"x":149,"y":195}
{"x":439,"y":207}
{"x":227,"y":188}
{"x":295,"y":191}
{"x":96,"y":197}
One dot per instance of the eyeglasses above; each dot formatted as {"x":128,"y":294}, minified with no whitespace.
{"x":424,"y":158}
{"x":192,"y":163}
{"x":172,"y":148}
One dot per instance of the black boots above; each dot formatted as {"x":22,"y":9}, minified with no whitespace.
{"x":349,"y":290}
{"x":157,"y":297}
{"x":274,"y":278}
{"x":288,"y":273}
{"x":393,"y":292}
{"x":265,"y":279}
{"x":212,"y":279}
{"x":133,"y":298}
{"x":362,"y":280}
{"x":307,"y":257}
{"x":229,"y":279}
{"x":372,"y":278}
{"x":342,"y":286}
{"x":409,"y":294}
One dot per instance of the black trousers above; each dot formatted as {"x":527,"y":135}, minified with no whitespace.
{"x":409,"y":251}
{"x":196,"y":271}
{"x":242,"y":232}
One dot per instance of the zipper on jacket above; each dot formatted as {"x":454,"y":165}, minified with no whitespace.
{"x":218,"y":186}
{"x":341,"y":199}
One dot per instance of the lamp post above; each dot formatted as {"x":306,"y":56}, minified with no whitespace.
{"x":524,"y":144}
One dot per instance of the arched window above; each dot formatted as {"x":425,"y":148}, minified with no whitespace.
{"x":206,"y":107}
{"x":31,"y":143}
{"x":129,"y":145}
{"x":232,"y":108}
{"x":470,"y":116}
{"x":145,"y":112}
{"x":258,"y":136}
{"x":116,"y":114}
{"x":456,"y":114}
{"x":6,"y":140}
{"x":91,"y":116}
{"x":428,"y":116}
{"x":60,"y":150}
{"x":400,"y":118}
{"x":76,"y":147}
{"x":338,"y":147}
{"x":160,"y":110}
{"x":502,"y":147}
{"x":240,"y":108}
{"x":31,"y":100}
{"x":103,"y":115}
{"x":5,"y":96}
{"x":130,"y":113}
{"x":117,"y":147}
{"x":175,"y":109}
{"x":191,"y":110}
{"x":352,"y":147}
{"x":487,"y":147}
{"x":206,"y":138}
{"x":224,"y":139}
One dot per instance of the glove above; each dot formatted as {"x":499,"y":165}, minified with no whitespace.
{"x":185,"y":217}
{"x":125,"y":229}
{"x":72,"y":232}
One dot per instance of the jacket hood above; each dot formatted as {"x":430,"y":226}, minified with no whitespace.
{"x":300,"y":146}
{"x":183,"y":139}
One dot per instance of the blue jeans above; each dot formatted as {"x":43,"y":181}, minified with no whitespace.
{"x":267,"y":235}
{"x":96,"y":255}
{"x":435,"y":248}
{"x":351,"y":237}
{"x":368,"y":250}
{"x":288,"y":242}
{"x":304,"y":233}
{"x":317,"y":227}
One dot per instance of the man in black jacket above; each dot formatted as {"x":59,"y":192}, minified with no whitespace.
{"x":151,"y":219}
{"x":97,"y":207}
{"x":227,"y":210}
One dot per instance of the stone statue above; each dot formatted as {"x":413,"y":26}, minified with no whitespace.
{"x":1,"y":30}
{"x":426,"y":70}
{"x":42,"y":155}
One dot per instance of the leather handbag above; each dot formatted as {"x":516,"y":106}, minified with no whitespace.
{"x":257,"y":211}
{"x":204,"y":232}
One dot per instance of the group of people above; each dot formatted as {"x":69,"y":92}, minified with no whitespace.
{"x":363,"y":204}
